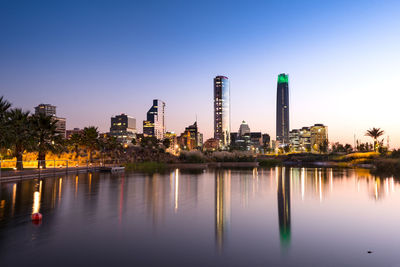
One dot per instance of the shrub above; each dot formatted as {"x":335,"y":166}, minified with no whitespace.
{"x":236,"y":156}
{"x":192,"y":157}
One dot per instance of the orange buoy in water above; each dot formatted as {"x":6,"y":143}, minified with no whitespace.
{"x":36,"y":217}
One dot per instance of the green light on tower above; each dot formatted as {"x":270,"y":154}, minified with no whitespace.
{"x":283,"y":78}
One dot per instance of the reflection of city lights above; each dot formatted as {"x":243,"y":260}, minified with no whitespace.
{"x":176,"y":189}
{"x":303,"y":171}
{"x":392,"y":184}
{"x":76,"y":185}
{"x":36,"y":199}
{"x":14,"y":196}
{"x":320,"y":186}
{"x":59,"y":188}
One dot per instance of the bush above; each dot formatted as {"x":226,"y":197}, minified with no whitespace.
{"x":237,"y":156}
{"x":192,"y":157}
{"x":386,"y":166}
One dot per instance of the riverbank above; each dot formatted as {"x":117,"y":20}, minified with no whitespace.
{"x":11,"y":175}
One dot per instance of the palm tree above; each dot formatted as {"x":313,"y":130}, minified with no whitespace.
{"x":375,"y":133}
{"x":46,"y":136}
{"x":4,"y":106}
{"x":19,"y":137}
{"x":75,"y":140}
{"x":90,"y":140}
{"x":110,"y":146}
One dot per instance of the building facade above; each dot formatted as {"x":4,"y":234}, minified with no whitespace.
{"x":319,"y":138}
{"x":46,"y":109}
{"x":222,"y":120}
{"x":173,"y":142}
{"x":155,"y":123}
{"x":191,"y":138}
{"x":305,"y":140}
{"x":244,"y":129}
{"x":123,"y":127}
{"x":294,"y":140}
{"x":309,"y":139}
{"x":282,"y":109}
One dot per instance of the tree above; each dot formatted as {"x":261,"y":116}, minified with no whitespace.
{"x":111,"y":146}
{"x":45,"y":135}
{"x":348,"y":148}
{"x":75,"y":140}
{"x":323,"y":147}
{"x":149,"y":142}
{"x":19,"y":136}
{"x":167,"y":143}
{"x":4,"y":106}
{"x":374,"y":133}
{"x":90,"y":140}
{"x":134,"y":142}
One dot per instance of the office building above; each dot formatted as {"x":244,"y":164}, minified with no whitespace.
{"x":222,"y":119}
{"x":282,"y":109}
{"x":123,"y":127}
{"x":266,"y":140}
{"x":305,"y":139}
{"x":294,"y":140}
{"x":46,"y":109}
{"x":244,"y":129}
{"x":309,"y":139}
{"x":155,"y":123}
{"x":211,"y":144}
{"x":173,"y":142}
{"x":190,"y":138}
{"x":319,"y":138}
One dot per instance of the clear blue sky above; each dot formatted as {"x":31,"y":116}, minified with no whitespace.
{"x":95,"y":59}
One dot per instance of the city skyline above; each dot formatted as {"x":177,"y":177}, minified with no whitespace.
{"x":338,"y":66}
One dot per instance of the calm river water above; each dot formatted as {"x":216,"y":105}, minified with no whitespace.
{"x":260,"y":217}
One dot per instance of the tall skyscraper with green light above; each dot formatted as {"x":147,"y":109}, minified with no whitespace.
{"x":282,"y":109}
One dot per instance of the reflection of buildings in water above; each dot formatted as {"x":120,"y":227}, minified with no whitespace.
{"x":244,"y":189}
{"x":315,"y":182}
{"x":176,"y":190}
{"x":121,"y":198}
{"x":222,"y":205}
{"x":379,"y":188}
{"x":283,"y":176}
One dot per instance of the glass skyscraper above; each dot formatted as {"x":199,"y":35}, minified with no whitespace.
{"x":222,"y":118}
{"x":155,"y":123}
{"x":282,"y":109}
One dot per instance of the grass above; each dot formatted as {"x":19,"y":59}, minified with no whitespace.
{"x":146,"y":167}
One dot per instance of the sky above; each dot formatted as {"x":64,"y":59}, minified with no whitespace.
{"x":96,"y":59}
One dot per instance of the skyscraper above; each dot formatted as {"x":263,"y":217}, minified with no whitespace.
{"x":282,"y":109}
{"x":155,"y":123}
{"x":222,"y":118}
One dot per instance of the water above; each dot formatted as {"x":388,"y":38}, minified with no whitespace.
{"x":259,"y":217}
